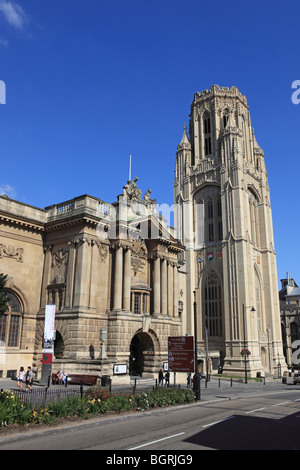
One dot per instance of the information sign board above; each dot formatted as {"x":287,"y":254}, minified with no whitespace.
{"x":181,"y":353}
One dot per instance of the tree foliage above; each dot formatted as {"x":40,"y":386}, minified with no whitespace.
{"x":4,"y":296}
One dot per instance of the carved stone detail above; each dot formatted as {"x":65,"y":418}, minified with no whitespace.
{"x":103,"y":251}
{"x":12,"y":252}
{"x":59,"y":258}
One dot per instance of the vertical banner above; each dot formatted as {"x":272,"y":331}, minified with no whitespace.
{"x":48,"y":343}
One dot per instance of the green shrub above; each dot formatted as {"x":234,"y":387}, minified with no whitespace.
{"x":97,"y":400}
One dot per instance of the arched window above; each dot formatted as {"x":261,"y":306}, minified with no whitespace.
{"x":213,"y":304}
{"x":10,"y":322}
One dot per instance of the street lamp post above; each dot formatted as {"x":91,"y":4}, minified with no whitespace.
{"x":196,"y":384}
{"x":245,"y":348}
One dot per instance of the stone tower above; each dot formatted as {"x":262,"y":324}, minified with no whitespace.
{"x":224,"y":219}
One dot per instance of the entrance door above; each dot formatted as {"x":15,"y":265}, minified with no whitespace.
{"x":141,"y":354}
{"x":136,"y":363}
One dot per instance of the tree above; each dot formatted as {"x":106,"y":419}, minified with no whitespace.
{"x":4,"y":297}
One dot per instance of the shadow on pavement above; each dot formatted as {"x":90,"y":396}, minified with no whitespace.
{"x":251,"y":433}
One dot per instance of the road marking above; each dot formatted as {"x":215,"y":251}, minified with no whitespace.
{"x":282,"y":403}
{"x":298,"y":399}
{"x":217,"y":422}
{"x":158,"y":440}
{"x":253,"y":411}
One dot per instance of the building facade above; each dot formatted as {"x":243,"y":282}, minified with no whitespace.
{"x":110,"y":269}
{"x":224,"y":220}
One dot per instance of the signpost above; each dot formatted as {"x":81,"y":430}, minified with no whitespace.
{"x":181,"y":354}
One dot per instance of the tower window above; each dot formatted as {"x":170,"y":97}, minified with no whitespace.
{"x":210,"y":211}
{"x":219,"y":207}
{"x":225,"y":120}
{"x":211,"y":232}
{"x":220,"y":228}
{"x":207,"y":145}
{"x":213,"y":304}
{"x":207,"y":135}
{"x":207,"y":125}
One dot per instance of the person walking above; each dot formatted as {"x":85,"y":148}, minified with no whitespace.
{"x":160,"y":378}
{"x":29,"y":378}
{"x":167,"y":379}
{"x":21,"y":378}
{"x":189,"y":380}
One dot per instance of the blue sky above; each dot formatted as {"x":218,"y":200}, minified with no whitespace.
{"x":89,"y":82}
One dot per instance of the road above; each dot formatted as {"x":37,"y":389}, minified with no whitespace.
{"x":260,"y":418}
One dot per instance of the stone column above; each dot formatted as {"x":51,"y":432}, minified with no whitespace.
{"x":70,"y":274}
{"x":175,"y":291}
{"x":170,"y":289}
{"x":164,"y":287}
{"x":156,"y":286}
{"x":117,"y":305}
{"x":127,"y":279}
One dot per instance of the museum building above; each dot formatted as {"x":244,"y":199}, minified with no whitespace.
{"x":123,"y":280}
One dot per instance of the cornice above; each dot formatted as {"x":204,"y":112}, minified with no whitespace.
{"x":6,"y":218}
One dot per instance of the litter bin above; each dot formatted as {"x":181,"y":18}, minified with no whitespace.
{"x":106,"y":381}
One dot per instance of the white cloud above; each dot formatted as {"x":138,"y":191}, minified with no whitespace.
{"x":13,"y":14}
{"x":8,"y":190}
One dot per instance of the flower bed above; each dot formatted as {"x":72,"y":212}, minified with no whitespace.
{"x":96,"y":401}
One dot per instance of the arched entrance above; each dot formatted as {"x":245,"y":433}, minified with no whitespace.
{"x":141,"y":355}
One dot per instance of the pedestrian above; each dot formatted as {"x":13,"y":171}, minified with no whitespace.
{"x":167,"y":379}
{"x":21,"y":378}
{"x":29,"y":378}
{"x":161,"y":378}
{"x":64,"y":377}
{"x":189,"y":380}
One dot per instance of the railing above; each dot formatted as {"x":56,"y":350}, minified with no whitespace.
{"x":46,"y":395}
{"x":104,"y":208}
{"x":65,"y":207}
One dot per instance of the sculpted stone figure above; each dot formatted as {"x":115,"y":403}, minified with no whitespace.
{"x":132,"y":192}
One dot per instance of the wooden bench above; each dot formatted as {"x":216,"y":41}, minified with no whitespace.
{"x":77,"y":379}
{"x":82,"y":379}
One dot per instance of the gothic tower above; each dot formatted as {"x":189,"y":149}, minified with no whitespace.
{"x":224,"y":219}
